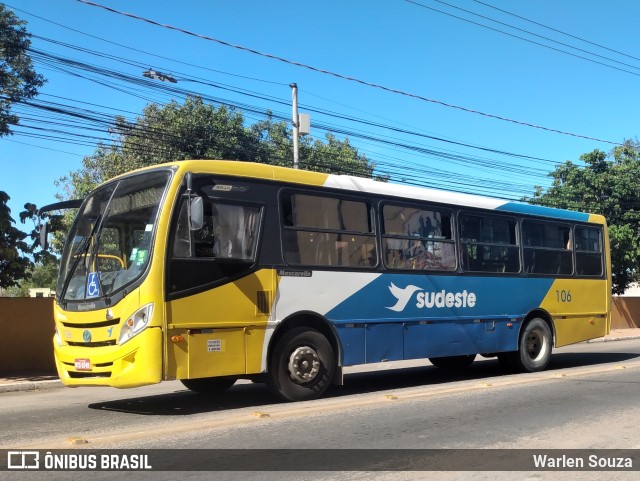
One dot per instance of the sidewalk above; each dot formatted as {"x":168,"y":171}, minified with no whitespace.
{"x":28,"y":382}
{"x":37,"y":382}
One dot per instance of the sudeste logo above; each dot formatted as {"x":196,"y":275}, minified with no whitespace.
{"x":428,"y":300}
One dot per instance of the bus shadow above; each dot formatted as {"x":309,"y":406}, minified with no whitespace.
{"x":481,"y":369}
{"x":244,"y":395}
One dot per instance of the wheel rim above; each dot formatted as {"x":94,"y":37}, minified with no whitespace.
{"x":535,"y":345}
{"x":304,"y":365}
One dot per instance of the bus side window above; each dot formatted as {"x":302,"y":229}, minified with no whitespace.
{"x":489,"y":244}
{"x":415,"y":238}
{"x":547,"y":248}
{"x":588,"y":251}
{"x":327,"y":231}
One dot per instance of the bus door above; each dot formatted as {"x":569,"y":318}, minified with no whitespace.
{"x":218,"y":302}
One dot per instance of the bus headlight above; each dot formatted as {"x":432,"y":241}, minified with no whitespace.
{"x":57,"y":337}
{"x":135,"y":323}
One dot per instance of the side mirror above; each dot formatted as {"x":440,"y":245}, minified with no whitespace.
{"x":196,"y":217}
{"x":43,"y":230}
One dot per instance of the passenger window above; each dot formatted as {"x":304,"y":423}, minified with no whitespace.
{"x":489,"y":244}
{"x":417,"y":239}
{"x":588,"y":251}
{"x":327,"y":231}
{"x":547,"y":248}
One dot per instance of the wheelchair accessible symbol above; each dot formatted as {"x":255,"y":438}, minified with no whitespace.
{"x":93,"y":286}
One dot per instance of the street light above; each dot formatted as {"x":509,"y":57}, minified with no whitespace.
{"x":152,"y":74}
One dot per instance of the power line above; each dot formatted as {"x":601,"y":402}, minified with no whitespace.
{"x":142,"y":51}
{"x":42,"y":147}
{"x":345,"y":77}
{"x":176,"y":90}
{"x":530,"y":33}
{"x":557,"y":31}
{"x":401,"y":171}
{"x":253,"y":94}
{"x":244,"y":92}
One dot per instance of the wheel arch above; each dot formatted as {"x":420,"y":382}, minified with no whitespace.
{"x":545,"y":316}
{"x":312,"y":320}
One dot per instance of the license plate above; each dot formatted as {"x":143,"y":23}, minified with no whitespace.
{"x":83,"y":365}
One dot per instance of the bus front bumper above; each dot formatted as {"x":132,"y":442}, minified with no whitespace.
{"x":136,"y":363}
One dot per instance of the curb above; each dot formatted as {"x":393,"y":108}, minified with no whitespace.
{"x":30,"y":386}
{"x":610,"y":339}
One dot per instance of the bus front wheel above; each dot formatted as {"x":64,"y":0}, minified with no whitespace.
{"x":209,"y":385}
{"x":534,"y":348}
{"x":302,"y":365}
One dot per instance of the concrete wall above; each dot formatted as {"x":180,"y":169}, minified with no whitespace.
{"x":26,"y":335}
{"x":26,"y":331}
{"x":625,"y":312}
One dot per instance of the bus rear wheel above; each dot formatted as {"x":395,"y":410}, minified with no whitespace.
{"x":209,"y":385}
{"x":453,"y":362}
{"x":302,"y":365}
{"x":534,"y":348}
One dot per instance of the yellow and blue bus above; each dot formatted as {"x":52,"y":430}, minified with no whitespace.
{"x":213,"y":271}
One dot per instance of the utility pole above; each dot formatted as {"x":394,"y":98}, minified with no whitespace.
{"x":295,"y":122}
{"x":301,"y":123}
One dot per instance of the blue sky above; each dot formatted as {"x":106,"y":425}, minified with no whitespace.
{"x":393,"y":43}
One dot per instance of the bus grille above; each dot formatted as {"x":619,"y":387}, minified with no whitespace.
{"x":89,"y":325}
{"x":84,"y":375}
{"x":111,"y":342}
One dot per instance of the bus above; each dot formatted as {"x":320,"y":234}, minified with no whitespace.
{"x":212,"y":271}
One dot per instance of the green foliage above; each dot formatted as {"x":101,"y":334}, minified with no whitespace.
{"x":39,"y":275}
{"x":195,"y":130}
{"x":18,"y":79}
{"x":14,"y":264}
{"x":607,"y":185}
{"x":56,"y":224}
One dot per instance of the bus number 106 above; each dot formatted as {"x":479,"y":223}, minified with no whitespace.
{"x":563,"y":296}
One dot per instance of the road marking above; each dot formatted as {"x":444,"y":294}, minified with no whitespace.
{"x":259,"y":414}
{"x":77,"y":441}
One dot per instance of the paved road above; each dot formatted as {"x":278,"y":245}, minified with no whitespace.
{"x":586,"y":399}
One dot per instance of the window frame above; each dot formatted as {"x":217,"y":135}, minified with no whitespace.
{"x":571,"y":250}
{"x":492,"y":215}
{"x":421,"y":207}
{"x":599,"y":229}
{"x":286,"y":194}
{"x":237,"y":268}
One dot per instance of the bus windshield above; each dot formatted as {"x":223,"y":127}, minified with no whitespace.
{"x":109,"y":244}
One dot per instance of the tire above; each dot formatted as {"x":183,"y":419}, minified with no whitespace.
{"x":209,"y":385}
{"x":453,"y":362}
{"x":534,"y":348}
{"x":302,"y":365}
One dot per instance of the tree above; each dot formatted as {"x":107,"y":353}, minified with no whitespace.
{"x":40,"y":274}
{"x":607,"y":185}
{"x":18,"y":79}
{"x":13,"y":264}
{"x":195,"y":130}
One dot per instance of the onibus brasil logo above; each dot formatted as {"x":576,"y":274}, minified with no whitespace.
{"x":428,"y":300}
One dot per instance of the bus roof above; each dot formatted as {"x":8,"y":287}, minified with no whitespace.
{"x":360,"y":184}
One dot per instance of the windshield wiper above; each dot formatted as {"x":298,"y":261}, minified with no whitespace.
{"x":80,"y":253}
{"x":84,"y":250}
